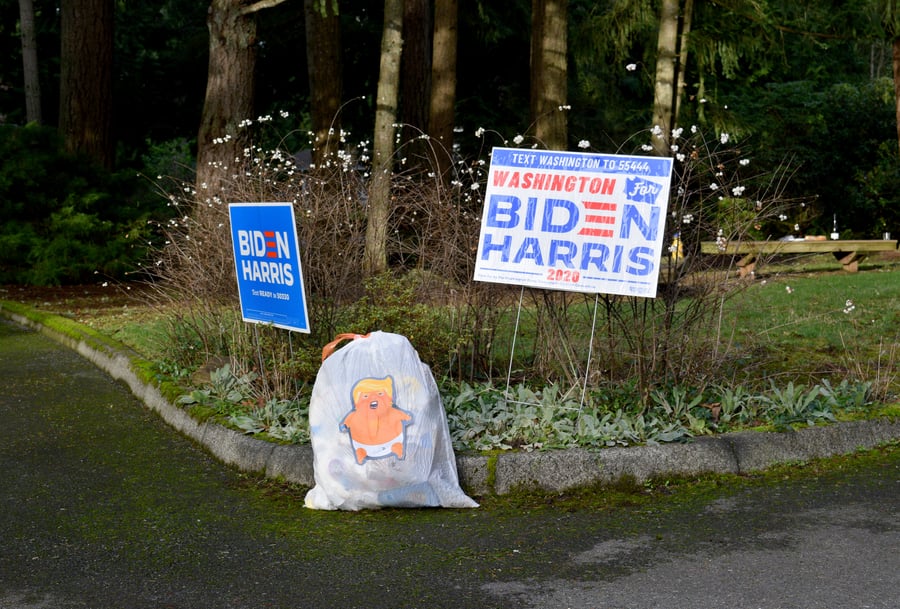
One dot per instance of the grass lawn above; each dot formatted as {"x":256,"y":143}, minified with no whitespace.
{"x":822,"y":323}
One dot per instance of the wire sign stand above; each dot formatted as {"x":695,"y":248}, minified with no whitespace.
{"x":512,"y":351}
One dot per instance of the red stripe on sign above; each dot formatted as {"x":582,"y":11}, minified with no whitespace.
{"x":600,"y":219}
{"x":600,"y":206}
{"x":596,"y":232}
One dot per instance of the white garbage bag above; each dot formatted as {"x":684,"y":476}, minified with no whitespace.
{"x":379,"y":431}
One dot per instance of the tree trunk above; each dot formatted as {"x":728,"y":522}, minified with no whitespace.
{"x":664,"y":93}
{"x":683,"y":37}
{"x":379,"y":210}
{"x":549,"y":80}
{"x":443,"y":85}
{"x":323,"y":57}
{"x":415,"y":87}
{"x":895,"y":45}
{"x":229,"y":95}
{"x":85,"y":80}
{"x":30,"y":63}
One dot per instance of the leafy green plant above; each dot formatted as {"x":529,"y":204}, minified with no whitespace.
{"x":484,"y":417}
{"x":796,"y":404}
{"x":286,"y":420}
{"x":675,"y":403}
{"x":225,"y":393}
{"x":848,"y":396}
{"x":592,"y":431}
{"x":675,"y":407}
{"x":736,"y":404}
{"x":172,"y":370}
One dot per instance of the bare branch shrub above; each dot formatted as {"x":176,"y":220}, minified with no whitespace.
{"x":678,"y":337}
{"x":463,"y":329}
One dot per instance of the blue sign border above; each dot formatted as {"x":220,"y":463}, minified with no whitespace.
{"x":267,"y":265}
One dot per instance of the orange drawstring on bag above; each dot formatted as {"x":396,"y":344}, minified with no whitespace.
{"x":330,"y":347}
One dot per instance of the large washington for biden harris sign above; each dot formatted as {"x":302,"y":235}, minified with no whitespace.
{"x":573,"y":221}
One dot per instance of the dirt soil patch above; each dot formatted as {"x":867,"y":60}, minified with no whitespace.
{"x":79,"y":300}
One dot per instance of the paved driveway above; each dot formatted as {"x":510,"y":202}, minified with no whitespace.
{"x":103,"y":506}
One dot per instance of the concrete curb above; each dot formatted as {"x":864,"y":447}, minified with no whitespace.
{"x":553,"y":471}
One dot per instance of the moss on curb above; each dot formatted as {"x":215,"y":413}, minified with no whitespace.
{"x":890,"y":411}
{"x":60,"y":324}
{"x":75,"y":333}
{"x":491,"y":479}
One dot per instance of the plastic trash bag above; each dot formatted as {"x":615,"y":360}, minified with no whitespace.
{"x":379,"y":431}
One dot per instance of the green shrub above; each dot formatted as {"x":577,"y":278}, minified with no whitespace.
{"x":390,"y":304}
{"x":66,"y":220}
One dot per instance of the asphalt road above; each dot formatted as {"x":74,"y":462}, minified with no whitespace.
{"x":103,"y":506}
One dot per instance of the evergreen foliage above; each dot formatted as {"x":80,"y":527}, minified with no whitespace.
{"x":65,"y":220}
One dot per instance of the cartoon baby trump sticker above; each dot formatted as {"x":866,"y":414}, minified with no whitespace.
{"x":377,"y":427}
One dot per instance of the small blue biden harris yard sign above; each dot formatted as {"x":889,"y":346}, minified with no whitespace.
{"x":267,"y":263}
